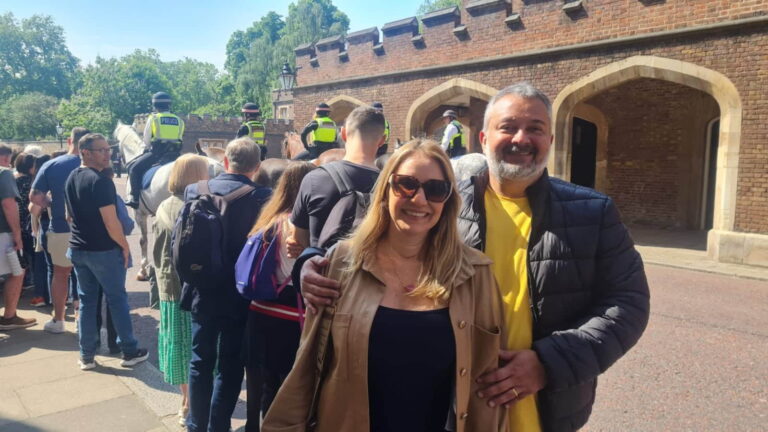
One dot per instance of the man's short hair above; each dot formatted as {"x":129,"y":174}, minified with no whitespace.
{"x":86,"y":142}
{"x":522,"y":89}
{"x":365,"y":122}
{"x":77,"y":133}
{"x":243,"y":155}
{"x":5,"y":150}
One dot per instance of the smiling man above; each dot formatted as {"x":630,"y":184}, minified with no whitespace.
{"x":575,"y":292}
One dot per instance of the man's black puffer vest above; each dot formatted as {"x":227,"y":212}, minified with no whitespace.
{"x":589,"y":294}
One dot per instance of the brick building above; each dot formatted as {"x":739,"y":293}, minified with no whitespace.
{"x":661,"y":104}
{"x":218,"y":131}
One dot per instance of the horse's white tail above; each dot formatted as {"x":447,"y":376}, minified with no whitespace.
{"x":131,"y":145}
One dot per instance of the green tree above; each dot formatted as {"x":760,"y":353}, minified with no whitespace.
{"x":81,"y":111}
{"x":28,"y":116}
{"x":428,"y":6}
{"x":34,"y":58}
{"x":255,"y":56}
{"x":192,"y":83}
{"x":124,"y":87}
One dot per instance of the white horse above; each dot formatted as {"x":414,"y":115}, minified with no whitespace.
{"x":132,"y":146}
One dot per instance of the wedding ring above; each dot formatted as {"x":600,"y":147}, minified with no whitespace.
{"x":514,"y":390}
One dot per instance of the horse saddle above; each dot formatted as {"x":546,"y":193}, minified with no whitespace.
{"x":146,"y":181}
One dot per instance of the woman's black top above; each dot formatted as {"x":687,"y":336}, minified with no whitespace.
{"x":411,"y":367}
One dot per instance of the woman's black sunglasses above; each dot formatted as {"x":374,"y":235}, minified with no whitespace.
{"x":406,"y":186}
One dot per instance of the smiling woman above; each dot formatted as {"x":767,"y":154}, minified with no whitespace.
{"x":401,"y":343}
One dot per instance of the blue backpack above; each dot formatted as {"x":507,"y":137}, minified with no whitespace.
{"x":255,"y":268}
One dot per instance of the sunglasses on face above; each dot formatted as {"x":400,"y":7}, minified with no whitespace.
{"x":405,"y":186}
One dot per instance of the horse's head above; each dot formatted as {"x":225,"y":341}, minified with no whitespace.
{"x":292,"y":145}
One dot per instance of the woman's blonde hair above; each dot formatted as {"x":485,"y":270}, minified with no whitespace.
{"x":284,"y":196}
{"x":442,"y":249}
{"x":189,"y":168}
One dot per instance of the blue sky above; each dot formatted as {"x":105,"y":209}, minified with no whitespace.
{"x":176,"y":28}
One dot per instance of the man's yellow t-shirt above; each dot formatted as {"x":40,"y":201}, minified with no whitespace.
{"x":508,"y":228}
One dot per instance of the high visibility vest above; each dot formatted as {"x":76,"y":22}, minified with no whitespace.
{"x":256,"y":131}
{"x":460,"y":139}
{"x":386,"y":132}
{"x":325,"y":132}
{"x":167,"y":127}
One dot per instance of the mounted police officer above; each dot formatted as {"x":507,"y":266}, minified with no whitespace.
{"x":383,"y":148}
{"x":162,"y":143}
{"x":253,"y":127}
{"x":454,"y":140}
{"x":320,"y":134}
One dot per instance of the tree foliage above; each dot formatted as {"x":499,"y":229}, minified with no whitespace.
{"x":28,"y":116}
{"x":41,"y":81}
{"x":34,"y":58}
{"x":255,"y":56}
{"x":428,"y":6}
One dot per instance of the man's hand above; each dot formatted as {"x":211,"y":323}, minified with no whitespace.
{"x":521,"y":376}
{"x":317,"y":289}
{"x":17,"y":243}
{"x":294,"y":247}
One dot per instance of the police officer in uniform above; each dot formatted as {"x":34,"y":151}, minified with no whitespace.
{"x":383,"y":148}
{"x":162,"y":143}
{"x":253,"y":127}
{"x":454,"y":140}
{"x":320,"y":134}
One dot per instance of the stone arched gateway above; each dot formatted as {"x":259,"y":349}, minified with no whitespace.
{"x":721,"y":236}
{"x":424,"y":105}
{"x":341,"y":106}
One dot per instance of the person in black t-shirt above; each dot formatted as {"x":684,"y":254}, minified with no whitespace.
{"x":99,"y":251}
{"x":363,"y":133}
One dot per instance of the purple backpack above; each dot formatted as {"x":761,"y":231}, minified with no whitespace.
{"x":255,"y":268}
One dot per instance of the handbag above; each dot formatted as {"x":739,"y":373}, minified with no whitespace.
{"x":324,"y":340}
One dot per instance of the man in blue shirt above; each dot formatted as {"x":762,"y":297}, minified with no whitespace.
{"x":48,"y":191}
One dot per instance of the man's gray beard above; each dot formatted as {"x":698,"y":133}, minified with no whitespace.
{"x":506,"y":171}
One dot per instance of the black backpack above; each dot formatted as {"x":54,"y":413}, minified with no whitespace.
{"x":348,"y":211}
{"x":198,"y":244}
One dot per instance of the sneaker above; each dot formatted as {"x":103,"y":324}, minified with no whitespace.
{"x":54,"y":326}
{"x":86,"y":364}
{"x":114,"y":350}
{"x":132,"y":360}
{"x":16,"y":322}
{"x":37,"y":301}
{"x":183,"y":416}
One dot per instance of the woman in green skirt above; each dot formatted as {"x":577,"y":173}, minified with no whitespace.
{"x":174,"y":340}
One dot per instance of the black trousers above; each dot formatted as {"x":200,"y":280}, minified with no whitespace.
{"x":139,"y":167}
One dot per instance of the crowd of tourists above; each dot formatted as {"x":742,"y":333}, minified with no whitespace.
{"x":353,"y":296}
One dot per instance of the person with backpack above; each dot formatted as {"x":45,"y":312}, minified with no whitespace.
{"x":174,"y":338}
{"x":208,"y":237}
{"x":346,"y":184}
{"x":276,"y":311}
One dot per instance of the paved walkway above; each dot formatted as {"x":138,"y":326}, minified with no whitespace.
{"x":43,"y":389}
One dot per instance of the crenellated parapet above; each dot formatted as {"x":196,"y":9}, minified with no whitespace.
{"x":489,"y":29}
